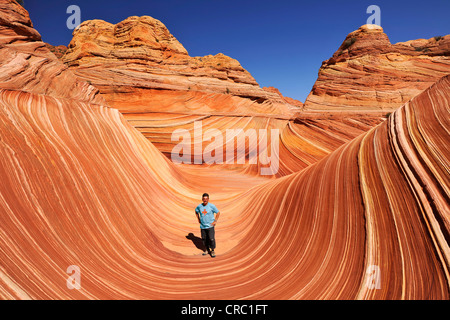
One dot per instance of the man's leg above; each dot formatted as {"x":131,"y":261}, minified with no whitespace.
{"x":212,"y":240}
{"x":204,"y":234}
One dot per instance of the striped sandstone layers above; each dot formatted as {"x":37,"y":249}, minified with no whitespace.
{"x":139,"y":66}
{"x":144,"y":72}
{"x":80,"y":186}
{"x":368,"y":73}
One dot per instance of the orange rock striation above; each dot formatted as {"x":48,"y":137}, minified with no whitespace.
{"x":58,"y":51}
{"x":26,"y":63}
{"x":369,"y":73}
{"x":144,"y":72}
{"x":139,"y":66}
{"x":81,"y":186}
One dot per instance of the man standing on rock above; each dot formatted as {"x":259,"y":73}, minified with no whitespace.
{"x":205,"y":214}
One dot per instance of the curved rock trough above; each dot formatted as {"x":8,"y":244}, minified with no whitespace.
{"x":359,"y":208}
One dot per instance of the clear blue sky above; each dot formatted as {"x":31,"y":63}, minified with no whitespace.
{"x":281,"y":43}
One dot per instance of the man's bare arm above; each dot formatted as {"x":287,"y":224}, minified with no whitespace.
{"x":215,"y":220}
{"x":198,"y":218}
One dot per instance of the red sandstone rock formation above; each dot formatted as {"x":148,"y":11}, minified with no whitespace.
{"x":28,"y":65}
{"x":58,"y":51}
{"x":144,"y":72}
{"x":139,"y":66}
{"x":80,"y":186}
{"x":369,"y":73}
{"x":286,"y":99}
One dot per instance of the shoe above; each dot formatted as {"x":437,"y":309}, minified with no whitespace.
{"x":205,"y":253}
{"x":213,"y":254}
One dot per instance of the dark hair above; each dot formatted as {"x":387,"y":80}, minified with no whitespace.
{"x":205,"y":195}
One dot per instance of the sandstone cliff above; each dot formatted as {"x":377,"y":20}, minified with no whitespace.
{"x":369,"y":73}
{"x":28,"y":65}
{"x":138,"y":65}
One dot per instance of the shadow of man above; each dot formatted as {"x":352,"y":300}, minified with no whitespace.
{"x":198,"y":242}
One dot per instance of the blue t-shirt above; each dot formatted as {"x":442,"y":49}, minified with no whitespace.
{"x":206,"y":214}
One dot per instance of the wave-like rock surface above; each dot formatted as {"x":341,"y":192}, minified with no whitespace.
{"x":144,"y":72}
{"x":80,"y":186}
{"x":369,"y":73}
{"x":302,"y":141}
{"x":68,"y":199}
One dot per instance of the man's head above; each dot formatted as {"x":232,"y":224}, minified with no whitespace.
{"x":205,"y":199}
